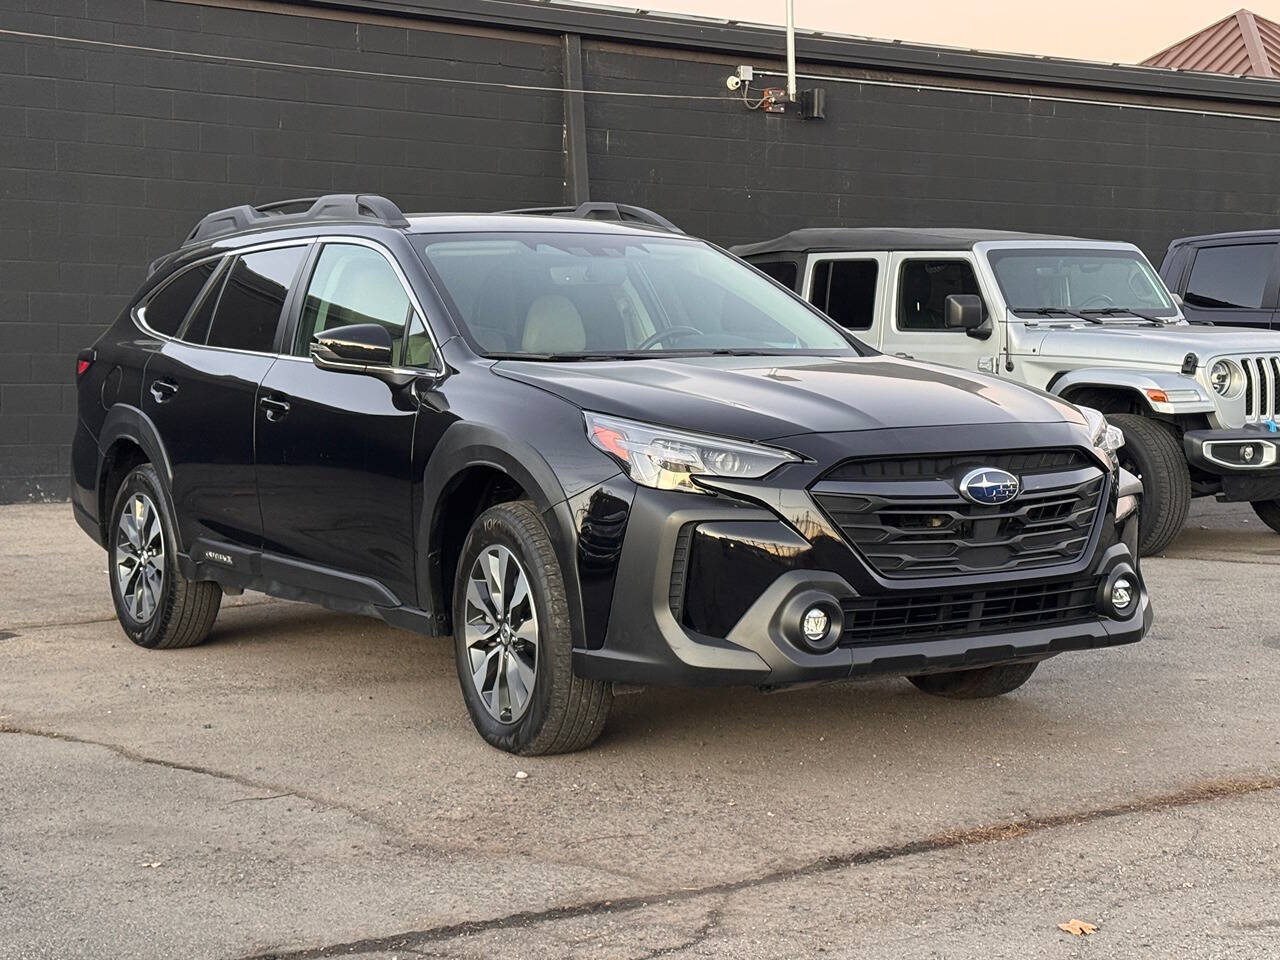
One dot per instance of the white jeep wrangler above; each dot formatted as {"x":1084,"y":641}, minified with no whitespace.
{"x":1088,"y":320}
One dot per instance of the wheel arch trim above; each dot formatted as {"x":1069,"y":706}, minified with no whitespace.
{"x":465,"y":446}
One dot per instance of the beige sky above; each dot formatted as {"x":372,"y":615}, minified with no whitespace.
{"x":1122,"y":31}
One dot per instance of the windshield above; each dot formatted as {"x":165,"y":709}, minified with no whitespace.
{"x":1097,"y":282}
{"x":572,"y":296}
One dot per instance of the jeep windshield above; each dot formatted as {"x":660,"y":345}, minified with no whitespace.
{"x":584,"y":296}
{"x":1099,"y":284}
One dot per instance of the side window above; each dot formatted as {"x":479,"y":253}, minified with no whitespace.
{"x":248,"y":311}
{"x":355,"y":284}
{"x":1231,"y":276}
{"x":923,"y":288}
{"x":845,"y":290}
{"x":167,"y":308}
{"x":784,"y":271}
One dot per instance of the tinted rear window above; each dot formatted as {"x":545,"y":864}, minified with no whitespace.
{"x":249,"y":309}
{"x":166,"y":309}
{"x":845,"y":290}
{"x":1231,"y":276}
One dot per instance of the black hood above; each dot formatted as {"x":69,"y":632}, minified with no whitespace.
{"x":764,"y":398}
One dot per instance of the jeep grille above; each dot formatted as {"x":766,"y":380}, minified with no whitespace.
{"x":1261,"y":378}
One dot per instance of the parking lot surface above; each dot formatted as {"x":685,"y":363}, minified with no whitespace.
{"x":308,"y":784}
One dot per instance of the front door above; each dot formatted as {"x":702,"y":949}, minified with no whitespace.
{"x":334,"y":450}
{"x":915,"y":324}
{"x":200,"y":389}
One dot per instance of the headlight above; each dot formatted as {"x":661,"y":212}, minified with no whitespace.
{"x":1226,"y":378}
{"x":670,"y":459}
{"x":1106,"y":438}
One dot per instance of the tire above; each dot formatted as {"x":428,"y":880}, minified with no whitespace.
{"x":1268,"y":512}
{"x":977,"y":684}
{"x":170,"y":611}
{"x":1153,"y":453}
{"x":562,"y":712}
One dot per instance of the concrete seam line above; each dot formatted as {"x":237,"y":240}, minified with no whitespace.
{"x":393,"y":834}
{"x":276,"y":789}
{"x":1204,"y":792}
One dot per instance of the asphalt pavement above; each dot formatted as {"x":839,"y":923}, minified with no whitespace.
{"x":307,"y":784}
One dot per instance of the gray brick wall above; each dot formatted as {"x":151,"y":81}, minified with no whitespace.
{"x":108,"y":157}
{"x":902,"y":157}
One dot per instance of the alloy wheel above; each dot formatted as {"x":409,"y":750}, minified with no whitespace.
{"x":139,"y":557}
{"x":501,"y":633}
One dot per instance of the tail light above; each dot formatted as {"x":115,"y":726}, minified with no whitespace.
{"x":84,"y":360}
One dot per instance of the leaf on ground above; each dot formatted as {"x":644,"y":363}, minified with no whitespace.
{"x":1077,"y":928}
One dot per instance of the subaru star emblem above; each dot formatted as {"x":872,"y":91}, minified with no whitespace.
{"x":989,"y":486}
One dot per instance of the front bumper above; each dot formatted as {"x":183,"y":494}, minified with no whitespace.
{"x":761,"y":571}
{"x":1219,"y":454}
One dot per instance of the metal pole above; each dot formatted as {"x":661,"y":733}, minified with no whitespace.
{"x":791,"y":50}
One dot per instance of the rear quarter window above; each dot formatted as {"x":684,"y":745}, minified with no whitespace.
{"x":165,"y":309}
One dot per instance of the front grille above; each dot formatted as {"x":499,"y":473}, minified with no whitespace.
{"x":871,"y":621}
{"x":910,"y":521}
{"x":911,"y":468}
{"x":1261,"y":379}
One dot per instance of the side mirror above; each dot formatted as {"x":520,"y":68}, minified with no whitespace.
{"x":964,"y":311}
{"x":352,"y":348}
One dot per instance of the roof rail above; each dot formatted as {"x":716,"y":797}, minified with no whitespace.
{"x":600,"y":210}
{"x":334,"y":206}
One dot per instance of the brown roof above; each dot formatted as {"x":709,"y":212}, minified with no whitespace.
{"x":1243,"y":44}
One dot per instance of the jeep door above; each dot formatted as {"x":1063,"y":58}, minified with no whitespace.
{"x":199,"y":390}
{"x":334,"y":449}
{"x":914,"y":324}
{"x":848,"y":288}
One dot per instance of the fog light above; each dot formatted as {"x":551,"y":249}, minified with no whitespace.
{"x":1124,"y":592}
{"x":815,"y":625}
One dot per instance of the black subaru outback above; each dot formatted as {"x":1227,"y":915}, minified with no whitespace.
{"x":595,"y":451}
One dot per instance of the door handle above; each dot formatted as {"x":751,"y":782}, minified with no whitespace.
{"x":904,"y":356}
{"x":275,"y":407}
{"x":163,"y":390}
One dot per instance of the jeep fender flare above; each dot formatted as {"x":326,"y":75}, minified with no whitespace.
{"x":1140,"y":383}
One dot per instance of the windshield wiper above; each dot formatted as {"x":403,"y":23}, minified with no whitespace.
{"x":1121,"y":311}
{"x":561,"y":357}
{"x":1055,"y":312}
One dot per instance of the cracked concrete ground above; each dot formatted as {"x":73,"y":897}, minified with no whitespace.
{"x":308,"y":784}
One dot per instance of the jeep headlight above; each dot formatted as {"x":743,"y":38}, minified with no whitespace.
{"x":669,"y":459}
{"x":1226,"y":378}
{"x":1106,"y":438}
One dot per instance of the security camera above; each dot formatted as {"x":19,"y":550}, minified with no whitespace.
{"x":733,"y":82}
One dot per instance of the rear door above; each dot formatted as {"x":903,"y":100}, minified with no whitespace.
{"x":200,"y":391}
{"x":334,"y":450}
{"x":1232,"y":283}
{"x":847,"y":287}
{"x":914,"y":327}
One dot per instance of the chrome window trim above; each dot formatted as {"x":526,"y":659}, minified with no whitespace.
{"x":387,"y":255}
{"x":138,"y":313}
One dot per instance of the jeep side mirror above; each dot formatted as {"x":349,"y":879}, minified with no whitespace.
{"x":964,"y":311}
{"x":361,"y":344}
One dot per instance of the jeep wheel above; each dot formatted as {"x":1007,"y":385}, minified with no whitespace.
{"x":977,"y":684}
{"x":1153,"y":454}
{"x":1268,"y":512}
{"x":513,"y":642}
{"x":156,"y":605}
